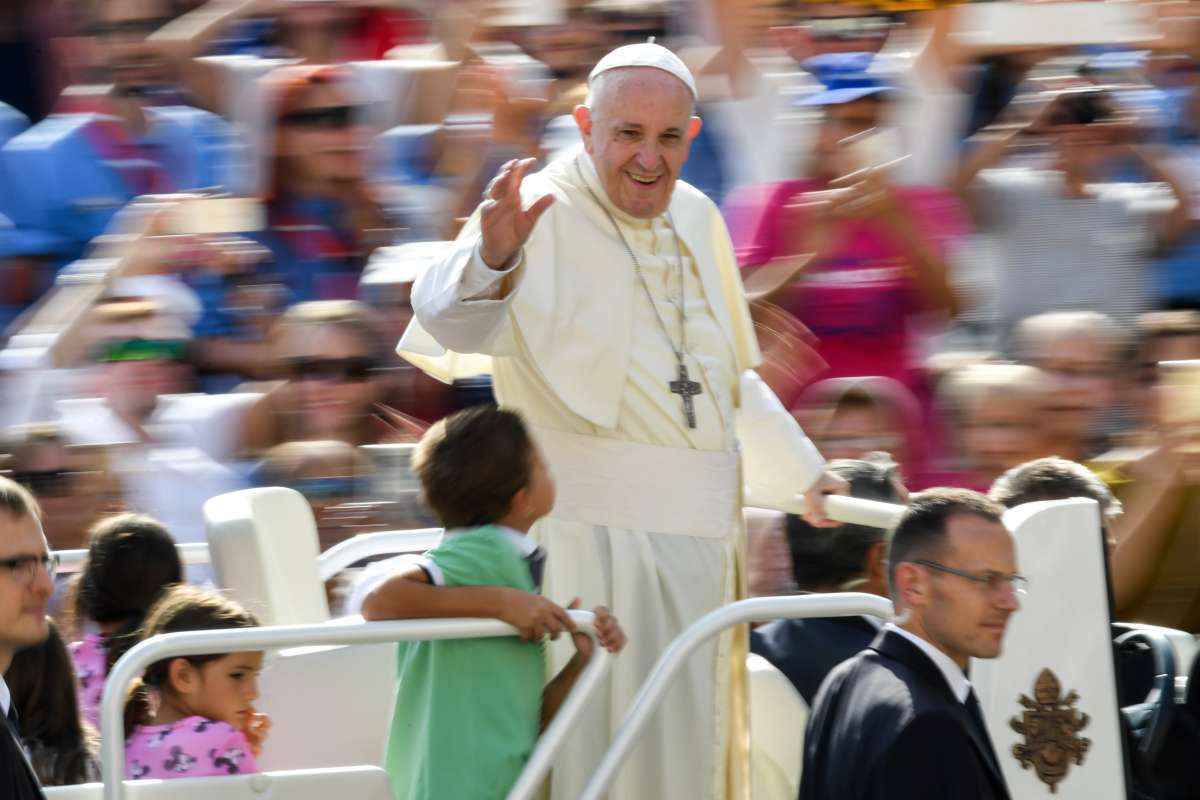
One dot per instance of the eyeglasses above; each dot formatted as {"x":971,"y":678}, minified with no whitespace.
{"x":992,"y":581}
{"x":25,"y":568}
{"x":330,"y":369}
{"x":143,"y":350}
{"x":44,"y":482}
{"x":328,"y":118}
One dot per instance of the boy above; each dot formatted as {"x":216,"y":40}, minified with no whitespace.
{"x":469,"y":711}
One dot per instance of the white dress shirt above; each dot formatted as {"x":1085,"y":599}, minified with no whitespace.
{"x":954,"y":676}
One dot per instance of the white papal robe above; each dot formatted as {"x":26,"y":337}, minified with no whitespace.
{"x":648,"y":516}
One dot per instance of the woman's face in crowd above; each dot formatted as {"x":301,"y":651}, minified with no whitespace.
{"x":325,"y":136}
{"x":830,"y":158}
{"x":853,"y":431}
{"x":329,"y":369}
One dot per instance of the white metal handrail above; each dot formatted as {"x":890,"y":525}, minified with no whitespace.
{"x":859,"y":511}
{"x":189,"y":553}
{"x":366,"y":545}
{"x":757,"y":609}
{"x":134,"y":663}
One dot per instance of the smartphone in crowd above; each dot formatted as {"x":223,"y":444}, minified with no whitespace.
{"x":212,"y":216}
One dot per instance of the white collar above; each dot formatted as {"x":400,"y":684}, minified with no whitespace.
{"x":875,"y":622}
{"x":954,"y":676}
{"x":5,"y":696}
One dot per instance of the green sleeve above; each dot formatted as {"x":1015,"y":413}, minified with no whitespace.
{"x":481,"y":558}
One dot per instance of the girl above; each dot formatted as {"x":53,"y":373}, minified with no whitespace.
{"x":62,"y":747}
{"x":193,"y":716}
{"x":131,"y":560}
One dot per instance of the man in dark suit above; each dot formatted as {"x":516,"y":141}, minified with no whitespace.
{"x":26,"y":583}
{"x":840,"y":559}
{"x":900,"y":720}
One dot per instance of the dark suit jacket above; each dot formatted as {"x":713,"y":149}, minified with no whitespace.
{"x":886,"y":725}
{"x":806,"y":650}
{"x":17,"y":780}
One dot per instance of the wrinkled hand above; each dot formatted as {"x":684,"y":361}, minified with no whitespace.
{"x":534,"y":616}
{"x":814,"y":499}
{"x":256,"y":728}
{"x":506,"y":224}
{"x":608,"y":633}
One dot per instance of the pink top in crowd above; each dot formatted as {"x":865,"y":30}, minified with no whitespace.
{"x":859,"y":299}
{"x":193,"y":747}
{"x":91,"y":667}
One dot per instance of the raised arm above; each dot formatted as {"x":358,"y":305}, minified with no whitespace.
{"x":463,"y":300}
{"x":185,"y":39}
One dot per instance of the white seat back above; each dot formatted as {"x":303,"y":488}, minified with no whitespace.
{"x":359,"y":783}
{"x":264,"y":551}
{"x":346,"y":691}
{"x":1063,"y":627}
{"x":778,"y":715}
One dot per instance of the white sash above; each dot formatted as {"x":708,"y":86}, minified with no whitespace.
{"x":618,"y":484}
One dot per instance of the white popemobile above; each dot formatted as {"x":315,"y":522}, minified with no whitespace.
{"x":1050,"y":700}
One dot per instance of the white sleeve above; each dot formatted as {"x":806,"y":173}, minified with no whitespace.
{"x":779,"y":463}
{"x":458,"y":301}
{"x":377,"y":573}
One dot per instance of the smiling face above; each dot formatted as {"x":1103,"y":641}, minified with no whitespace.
{"x":638,"y":132}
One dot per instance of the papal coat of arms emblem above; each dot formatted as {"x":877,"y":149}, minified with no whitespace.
{"x":1051,"y":728}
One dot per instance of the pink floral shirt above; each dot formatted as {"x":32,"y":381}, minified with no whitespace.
{"x":91,"y":667}
{"x":193,"y":747}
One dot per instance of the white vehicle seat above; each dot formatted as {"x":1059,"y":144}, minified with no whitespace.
{"x":329,"y":706}
{"x":359,"y":783}
{"x":264,"y":553}
{"x":778,"y":715}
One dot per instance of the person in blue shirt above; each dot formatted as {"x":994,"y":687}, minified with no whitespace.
{"x":67,"y":176}
{"x":12,"y":122}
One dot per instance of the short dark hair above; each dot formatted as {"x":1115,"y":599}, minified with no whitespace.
{"x":18,"y":501}
{"x":472,"y":463}
{"x":1052,"y":478}
{"x":921,"y":531}
{"x":823,"y":557}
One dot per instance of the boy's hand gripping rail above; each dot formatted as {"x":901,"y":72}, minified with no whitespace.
{"x":757,"y":609}
{"x":134,"y":663}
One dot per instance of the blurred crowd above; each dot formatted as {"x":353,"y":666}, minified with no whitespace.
{"x":964,"y":256}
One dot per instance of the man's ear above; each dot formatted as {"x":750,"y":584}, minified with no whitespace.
{"x":694,"y":125}
{"x":911,"y":588}
{"x":583,"y":119}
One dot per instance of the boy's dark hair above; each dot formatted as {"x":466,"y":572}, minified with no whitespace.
{"x":471,"y":464}
{"x":826,"y":557}
{"x":42,"y":681}
{"x":181,"y":608}
{"x":921,"y":531}
{"x":131,"y":560}
{"x":1052,"y":478}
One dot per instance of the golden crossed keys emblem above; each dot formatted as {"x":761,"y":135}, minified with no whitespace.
{"x":1051,"y":728}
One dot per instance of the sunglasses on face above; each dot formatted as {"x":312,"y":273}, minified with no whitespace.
{"x":143,"y":350}
{"x":45,"y":482}
{"x":330,"y":369}
{"x":139,"y":28}
{"x":325,"y":488}
{"x":328,"y":118}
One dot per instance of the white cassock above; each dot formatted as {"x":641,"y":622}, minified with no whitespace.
{"x":648,"y":516}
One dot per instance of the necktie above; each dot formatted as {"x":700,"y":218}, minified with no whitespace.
{"x":976,"y":714}
{"x":536,"y":561}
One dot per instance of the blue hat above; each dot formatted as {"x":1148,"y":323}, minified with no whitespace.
{"x":845,"y":76}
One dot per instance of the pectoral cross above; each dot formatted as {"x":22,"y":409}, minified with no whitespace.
{"x":687,"y":389}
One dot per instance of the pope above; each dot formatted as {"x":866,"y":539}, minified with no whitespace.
{"x":605,"y":296}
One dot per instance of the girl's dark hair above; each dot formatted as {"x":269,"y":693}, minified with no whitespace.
{"x":131,"y":560}
{"x":181,"y":608}
{"x":42,"y":681}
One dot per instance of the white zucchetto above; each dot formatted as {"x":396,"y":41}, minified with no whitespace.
{"x":646,"y":54}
